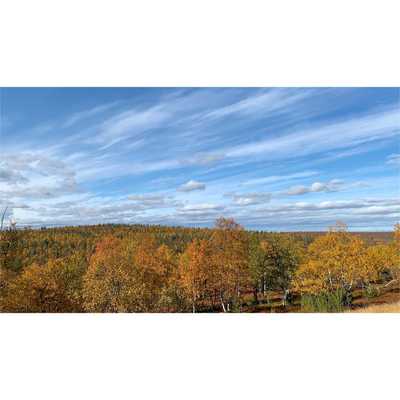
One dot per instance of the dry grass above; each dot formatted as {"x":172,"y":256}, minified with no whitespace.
{"x":381,"y":308}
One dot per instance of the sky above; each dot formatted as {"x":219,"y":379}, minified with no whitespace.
{"x":276,"y":159}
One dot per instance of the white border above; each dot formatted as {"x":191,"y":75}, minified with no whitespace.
{"x":199,"y":43}
{"x":202,"y":43}
{"x":199,"y":356}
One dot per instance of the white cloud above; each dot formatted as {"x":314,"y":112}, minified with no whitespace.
{"x":191,"y":186}
{"x":198,"y":213}
{"x":202,"y":207}
{"x":334,"y":205}
{"x":358,"y":214}
{"x":34,"y":176}
{"x":9,"y":175}
{"x":249,"y":199}
{"x":154,"y":201}
{"x":332,"y":186}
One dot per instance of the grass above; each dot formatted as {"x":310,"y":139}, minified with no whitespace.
{"x":381,"y":308}
{"x":385,"y":296}
{"x":324,"y":302}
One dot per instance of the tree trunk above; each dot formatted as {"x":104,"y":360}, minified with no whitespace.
{"x":284,"y":298}
{"x":222,"y":303}
{"x":264,"y":285}
{"x":255,"y":294}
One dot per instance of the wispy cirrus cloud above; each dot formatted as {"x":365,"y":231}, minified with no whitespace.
{"x":325,"y":136}
{"x":393,"y":159}
{"x":203,"y":159}
{"x":83,"y":115}
{"x":261,"y":104}
{"x":279,"y":178}
{"x":130,"y":123}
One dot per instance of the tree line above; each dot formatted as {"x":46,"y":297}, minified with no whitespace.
{"x":117,"y":268}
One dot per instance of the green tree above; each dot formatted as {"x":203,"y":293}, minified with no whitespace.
{"x":256,"y":266}
{"x":283,"y":255}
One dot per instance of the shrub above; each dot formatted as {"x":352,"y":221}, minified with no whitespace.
{"x":324,"y":302}
{"x":371,"y":291}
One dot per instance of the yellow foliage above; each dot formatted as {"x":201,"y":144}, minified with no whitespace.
{"x":230,"y":261}
{"x":377,"y":259}
{"x":195,"y":272}
{"x":340,"y":259}
{"x":124,"y":277}
{"x":335,"y":260}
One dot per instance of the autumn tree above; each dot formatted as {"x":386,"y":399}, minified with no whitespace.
{"x":9,"y":246}
{"x":194,"y":271}
{"x":227,"y":224}
{"x":173,"y":297}
{"x":156,"y":266}
{"x":334,"y":261}
{"x":377,"y":261}
{"x":10,"y":263}
{"x":5,"y":280}
{"x":43,"y":288}
{"x":395,"y":254}
{"x":230,"y":263}
{"x":126,"y":277}
{"x":111,"y":284}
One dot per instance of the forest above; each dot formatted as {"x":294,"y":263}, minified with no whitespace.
{"x":144,"y":268}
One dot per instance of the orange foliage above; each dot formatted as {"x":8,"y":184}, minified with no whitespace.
{"x":195,"y":271}
{"x":111,"y":283}
{"x":46,"y":288}
{"x":230,"y":263}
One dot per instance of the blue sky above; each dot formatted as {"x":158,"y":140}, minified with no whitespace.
{"x":274,"y":159}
